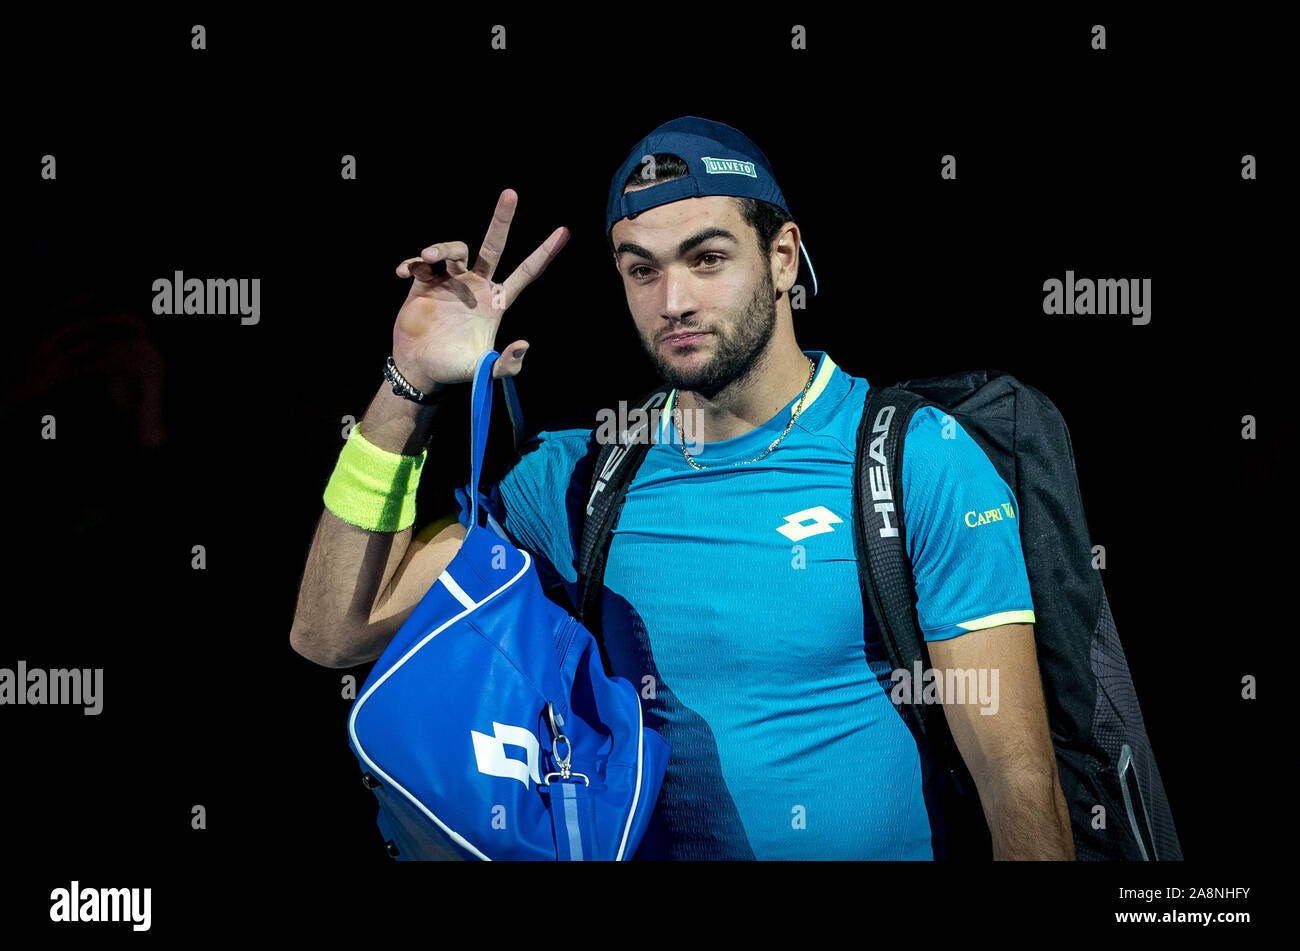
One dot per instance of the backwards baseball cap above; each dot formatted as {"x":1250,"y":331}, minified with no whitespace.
{"x":720,"y":161}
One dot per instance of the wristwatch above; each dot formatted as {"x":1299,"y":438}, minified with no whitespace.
{"x":404,"y":389}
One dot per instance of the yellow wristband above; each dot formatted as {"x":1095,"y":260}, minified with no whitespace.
{"x":373,"y":488}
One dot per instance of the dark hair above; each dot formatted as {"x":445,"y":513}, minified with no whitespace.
{"x":764,"y":217}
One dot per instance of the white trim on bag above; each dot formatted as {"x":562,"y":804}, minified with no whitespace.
{"x":456,"y":590}
{"x":636,"y":795}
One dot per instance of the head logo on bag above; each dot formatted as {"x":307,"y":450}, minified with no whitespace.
{"x":882,"y":493}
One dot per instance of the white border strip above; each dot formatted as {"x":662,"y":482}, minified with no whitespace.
{"x":457,"y":591}
{"x":636,"y":795}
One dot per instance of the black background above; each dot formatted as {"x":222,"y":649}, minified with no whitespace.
{"x":225,"y":163}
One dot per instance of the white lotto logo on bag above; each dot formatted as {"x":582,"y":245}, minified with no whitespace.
{"x":490,"y":753}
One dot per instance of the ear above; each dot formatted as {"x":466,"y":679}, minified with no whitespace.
{"x":785,"y":257}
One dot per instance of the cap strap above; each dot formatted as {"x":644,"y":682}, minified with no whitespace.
{"x":633,"y":203}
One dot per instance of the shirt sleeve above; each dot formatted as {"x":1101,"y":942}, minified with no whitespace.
{"x":963,"y":534}
{"x":536,"y":502}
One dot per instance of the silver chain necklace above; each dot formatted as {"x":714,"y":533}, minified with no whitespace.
{"x":798,"y":408}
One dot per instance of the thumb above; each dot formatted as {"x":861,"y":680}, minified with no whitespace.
{"x":511,"y":360}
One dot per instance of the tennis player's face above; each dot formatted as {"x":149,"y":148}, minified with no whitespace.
{"x":700,"y":292}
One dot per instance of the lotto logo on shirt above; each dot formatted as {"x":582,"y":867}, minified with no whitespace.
{"x":974,"y":518}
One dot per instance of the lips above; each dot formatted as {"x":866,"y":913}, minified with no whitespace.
{"x":686,"y":336}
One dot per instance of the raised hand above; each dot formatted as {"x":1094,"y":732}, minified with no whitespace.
{"x":451,"y":315}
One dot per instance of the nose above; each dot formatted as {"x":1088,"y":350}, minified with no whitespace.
{"x":679,"y":298}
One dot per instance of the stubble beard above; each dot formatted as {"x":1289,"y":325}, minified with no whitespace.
{"x":736,"y":352}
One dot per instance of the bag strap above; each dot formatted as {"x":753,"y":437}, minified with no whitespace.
{"x":884,"y":567}
{"x":612,"y":470}
{"x":480,"y":421}
{"x":573,"y":820}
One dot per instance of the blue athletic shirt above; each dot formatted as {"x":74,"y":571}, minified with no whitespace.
{"x":732,"y":603}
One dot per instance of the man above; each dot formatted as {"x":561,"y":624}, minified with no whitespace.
{"x":731,"y":593}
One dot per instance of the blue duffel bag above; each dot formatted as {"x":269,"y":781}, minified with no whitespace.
{"x":488,"y":728}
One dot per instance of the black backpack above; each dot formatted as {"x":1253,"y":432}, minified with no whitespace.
{"x":1117,"y":802}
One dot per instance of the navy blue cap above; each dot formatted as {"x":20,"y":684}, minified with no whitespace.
{"x":721,"y":161}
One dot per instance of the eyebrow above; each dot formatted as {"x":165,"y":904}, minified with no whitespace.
{"x":683,"y":249}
